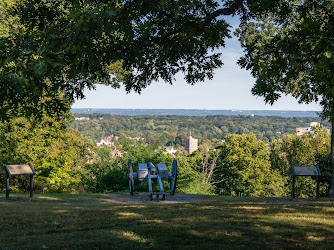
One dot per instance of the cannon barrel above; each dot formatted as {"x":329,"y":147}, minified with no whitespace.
{"x":151,"y":165}
{"x":152,"y":168}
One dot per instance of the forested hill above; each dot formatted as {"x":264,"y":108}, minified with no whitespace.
{"x":174,"y":129}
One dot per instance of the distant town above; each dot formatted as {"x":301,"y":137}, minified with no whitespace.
{"x":190,"y":143}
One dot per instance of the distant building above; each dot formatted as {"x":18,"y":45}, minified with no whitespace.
{"x":301,"y":131}
{"x":191,"y":144}
{"x":103,"y":142}
{"x":170,"y":150}
{"x":135,"y":138}
{"x":108,"y":141}
{"x":81,"y":118}
{"x":117,"y":139}
{"x":117,"y":153}
{"x":108,"y":138}
{"x":314,"y":124}
{"x":112,"y":139}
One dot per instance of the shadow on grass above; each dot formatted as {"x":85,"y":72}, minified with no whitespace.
{"x":56,"y":197}
{"x":200,"y":225}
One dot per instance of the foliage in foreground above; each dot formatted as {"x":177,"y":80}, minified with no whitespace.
{"x":245,"y":164}
{"x":57,"y":153}
{"x":291,"y":52}
{"x":70,"y":46}
{"x":241,"y":166}
{"x":307,"y":150}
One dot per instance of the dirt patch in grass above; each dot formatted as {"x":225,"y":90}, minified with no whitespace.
{"x":144,"y":198}
{"x":100,"y":199}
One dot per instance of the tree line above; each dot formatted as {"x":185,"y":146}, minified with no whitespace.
{"x":173,"y":130}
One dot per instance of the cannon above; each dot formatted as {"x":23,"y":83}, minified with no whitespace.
{"x":149,"y":172}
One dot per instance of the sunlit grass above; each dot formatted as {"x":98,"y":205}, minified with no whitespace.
{"x":128,"y":215}
{"x":131,"y":236}
{"x":93,"y":221}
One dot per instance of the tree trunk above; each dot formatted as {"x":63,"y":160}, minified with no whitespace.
{"x":331,"y":185}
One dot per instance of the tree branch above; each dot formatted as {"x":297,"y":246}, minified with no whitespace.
{"x":216,"y":182}
{"x":224,"y":11}
{"x":70,"y":46}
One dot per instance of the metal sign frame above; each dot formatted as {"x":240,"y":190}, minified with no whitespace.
{"x":19,"y":169}
{"x":305,"y":171}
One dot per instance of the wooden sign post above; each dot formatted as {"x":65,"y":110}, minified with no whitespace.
{"x":23,"y":169}
{"x":305,"y":171}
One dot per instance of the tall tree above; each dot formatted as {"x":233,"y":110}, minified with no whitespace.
{"x":292,"y":52}
{"x":244,"y":163}
{"x":70,"y":45}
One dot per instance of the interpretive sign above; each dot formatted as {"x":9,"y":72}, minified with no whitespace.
{"x":305,"y":171}
{"x":21,"y":169}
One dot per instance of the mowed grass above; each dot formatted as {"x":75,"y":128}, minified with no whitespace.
{"x":93,"y":221}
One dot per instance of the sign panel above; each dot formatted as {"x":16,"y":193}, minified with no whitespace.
{"x":306,"y":171}
{"x":19,"y":169}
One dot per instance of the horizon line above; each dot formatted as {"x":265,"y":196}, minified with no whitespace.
{"x":295,"y":110}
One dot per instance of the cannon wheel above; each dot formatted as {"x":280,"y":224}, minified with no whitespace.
{"x":173,"y":177}
{"x":131,"y":180}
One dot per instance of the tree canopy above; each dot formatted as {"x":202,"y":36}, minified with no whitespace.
{"x":57,"y":153}
{"x":52,"y":50}
{"x":66,"y":46}
{"x":291,"y":52}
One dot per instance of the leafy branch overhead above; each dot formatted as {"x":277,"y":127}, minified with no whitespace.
{"x":71,"y":45}
{"x":54,"y":50}
{"x":292,"y":53}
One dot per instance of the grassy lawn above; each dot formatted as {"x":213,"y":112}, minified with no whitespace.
{"x":93,"y":221}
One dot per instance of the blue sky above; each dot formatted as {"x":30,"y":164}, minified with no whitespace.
{"x":229,"y":89}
